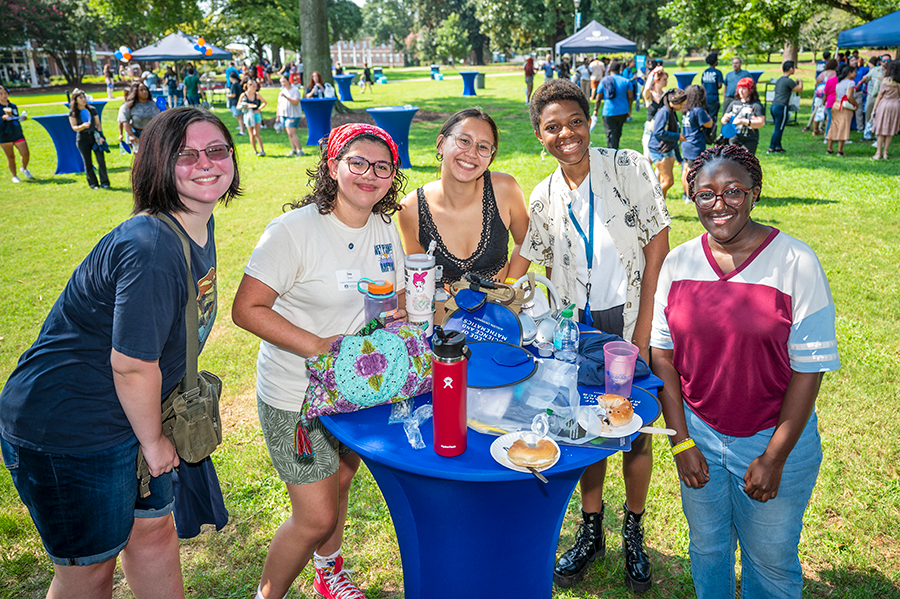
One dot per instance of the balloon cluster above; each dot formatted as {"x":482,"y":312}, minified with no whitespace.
{"x":200,"y":47}
{"x":123,"y":53}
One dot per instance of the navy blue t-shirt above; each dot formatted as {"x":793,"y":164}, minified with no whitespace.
{"x":129,"y":293}
{"x":692,"y":128}
{"x":663,"y":139}
{"x":711,"y":80}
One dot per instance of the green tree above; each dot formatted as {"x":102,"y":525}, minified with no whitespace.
{"x":520,"y":25}
{"x":137,"y":24}
{"x":637,"y":20}
{"x":388,"y":21}
{"x":345,"y":20}
{"x":260,"y":23}
{"x":451,"y":40}
{"x":430,"y":15}
{"x":64,"y":29}
{"x":757,"y":25}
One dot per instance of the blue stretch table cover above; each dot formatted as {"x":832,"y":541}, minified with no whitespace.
{"x":98,"y":106}
{"x":318,"y":118}
{"x":68,"y":159}
{"x":755,"y":75}
{"x":684,"y":79}
{"x":468,"y":82}
{"x":445,"y":510}
{"x":396,"y":121}
{"x":345,"y":84}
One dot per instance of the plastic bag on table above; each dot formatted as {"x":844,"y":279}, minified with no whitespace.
{"x":552,"y":391}
{"x":402,"y":413}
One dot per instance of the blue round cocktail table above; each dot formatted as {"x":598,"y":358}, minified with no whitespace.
{"x":684,"y":79}
{"x":755,"y":75}
{"x":68,"y":159}
{"x":396,"y":121}
{"x":445,"y":510}
{"x":468,"y":82}
{"x":318,"y":118}
{"x":345,"y":85}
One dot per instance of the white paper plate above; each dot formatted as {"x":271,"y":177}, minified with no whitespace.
{"x":615,"y":432}
{"x":501,"y":444}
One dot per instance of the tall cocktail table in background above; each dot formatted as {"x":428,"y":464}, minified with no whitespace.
{"x":396,"y":121}
{"x":68,"y":159}
{"x":345,"y":86}
{"x":684,"y":79}
{"x":318,"y":118}
{"x":467,"y":526}
{"x":468,"y":82}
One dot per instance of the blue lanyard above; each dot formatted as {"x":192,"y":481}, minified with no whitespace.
{"x":589,"y":250}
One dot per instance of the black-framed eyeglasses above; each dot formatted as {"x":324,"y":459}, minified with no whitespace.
{"x":733,"y":196}
{"x":361,"y":166}
{"x":215,"y":153}
{"x":464,"y":142}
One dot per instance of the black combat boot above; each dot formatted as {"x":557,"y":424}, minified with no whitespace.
{"x":638,"y":575}
{"x":590,"y":544}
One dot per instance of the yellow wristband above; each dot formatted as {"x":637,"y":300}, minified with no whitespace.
{"x":686,"y":444}
{"x":510,"y":281}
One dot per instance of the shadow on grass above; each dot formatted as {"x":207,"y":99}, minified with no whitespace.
{"x":850,"y":583}
{"x":791,"y":201}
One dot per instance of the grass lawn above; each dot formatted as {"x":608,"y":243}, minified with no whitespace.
{"x":846,"y":209}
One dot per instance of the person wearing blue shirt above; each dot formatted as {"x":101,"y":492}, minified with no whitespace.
{"x":731,"y":81}
{"x":617,"y":93}
{"x":712,"y":81}
{"x":666,"y":134}
{"x":231,"y":69}
{"x":694,"y":119}
{"x":548,"y":68}
{"x":860,"y":94}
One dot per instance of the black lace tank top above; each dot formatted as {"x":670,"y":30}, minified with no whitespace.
{"x":490,"y":255}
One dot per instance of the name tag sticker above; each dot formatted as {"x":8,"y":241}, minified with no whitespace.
{"x":347,"y":279}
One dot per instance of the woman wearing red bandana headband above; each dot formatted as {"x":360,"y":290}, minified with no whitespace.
{"x":298,"y":294}
{"x":747,"y":115}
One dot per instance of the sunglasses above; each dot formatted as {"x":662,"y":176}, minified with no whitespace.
{"x":215,"y":153}
{"x":733,"y":196}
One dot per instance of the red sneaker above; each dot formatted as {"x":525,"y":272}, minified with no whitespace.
{"x":333,"y":582}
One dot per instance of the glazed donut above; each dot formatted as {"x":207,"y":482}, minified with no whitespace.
{"x":542,"y":454}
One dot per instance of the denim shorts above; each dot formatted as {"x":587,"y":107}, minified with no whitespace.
{"x":235,"y":111}
{"x":293,"y":123}
{"x":251,"y":119}
{"x":659,"y":157}
{"x":84,"y":505}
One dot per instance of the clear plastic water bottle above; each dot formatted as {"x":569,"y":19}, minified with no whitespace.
{"x":565,"y":338}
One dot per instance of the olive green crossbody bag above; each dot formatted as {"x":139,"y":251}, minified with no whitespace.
{"x":190,"y":415}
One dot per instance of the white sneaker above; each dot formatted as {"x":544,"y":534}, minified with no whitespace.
{"x":27,"y":173}
{"x":16,"y":179}
{"x":848,"y":142}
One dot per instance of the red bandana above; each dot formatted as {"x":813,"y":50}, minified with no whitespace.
{"x":343,"y":135}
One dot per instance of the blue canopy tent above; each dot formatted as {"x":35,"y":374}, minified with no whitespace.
{"x":178,"y":46}
{"x":594,"y":37}
{"x":880,"y":33}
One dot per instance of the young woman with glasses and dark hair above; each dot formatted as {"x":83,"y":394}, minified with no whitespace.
{"x":447,"y":210}
{"x":85,"y":138}
{"x":298,"y":294}
{"x":743,"y":331}
{"x":87,"y":394}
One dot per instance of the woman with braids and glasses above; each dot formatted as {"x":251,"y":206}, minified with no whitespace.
{"x":469,"y":211}
{"x":298,"y":294}
{"x":743,"y":330}
{"x":88,"y":393}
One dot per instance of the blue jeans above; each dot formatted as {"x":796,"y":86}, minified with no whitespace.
{"x":721,"y":515}
{"x":827,"y":120}
{"x":779,"y":115}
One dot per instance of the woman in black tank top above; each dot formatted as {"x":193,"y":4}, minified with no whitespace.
{"x":469,"y":212}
